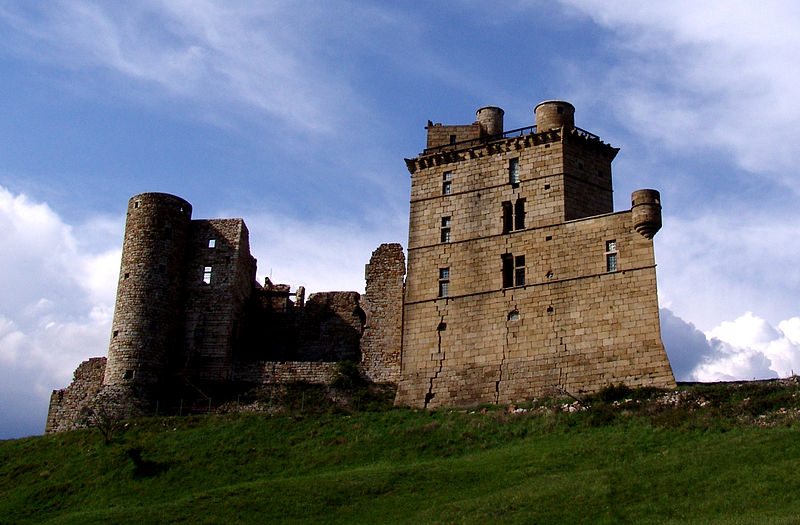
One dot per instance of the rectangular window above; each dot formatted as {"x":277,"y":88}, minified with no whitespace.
{"x":519,"y":270}
{"x":452,"y":139}
{"x":513,"y":171}
{"x":519,"y":215}
{"x":212,"y":243}
{"x":447,"y":179}
{"x":207,"y":274}
{"x":445,"y":237}
{"x":508,"y":270}
{"x":611,"y":256}
{"x":508,"y":216}
{"x":444,"y":282}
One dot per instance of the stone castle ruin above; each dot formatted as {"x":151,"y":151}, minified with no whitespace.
{"x":521,"y":281}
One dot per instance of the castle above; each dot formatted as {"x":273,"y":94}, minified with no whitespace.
{"x":521,"y":281}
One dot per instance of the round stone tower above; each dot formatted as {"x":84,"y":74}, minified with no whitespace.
{"x":491,"y":120}
{"x":554,"y":114}
{"x":147,"y":324}
{"x":646,"y":211}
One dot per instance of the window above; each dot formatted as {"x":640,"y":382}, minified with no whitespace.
{"x":519,"y":270}
{"x":513,"y":270}
{"x":519,"y":215}
{"x":508,"y":216}
{"x":212,"y":243}
{"x":452,"y":139}
{"x":513,"y":216}
{"x":135,"y":204}
{"x":513,"y":171}
{"x":445,"y":229}
{"x":207,"y":274}
{"x":444,"y":282}
{"x":128,"y":374}
{"x":447,"y":179}
{"x":513,"y":315}
{"x":611,"y":256}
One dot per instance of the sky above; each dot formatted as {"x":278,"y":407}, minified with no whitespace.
{"x":296,"y":116}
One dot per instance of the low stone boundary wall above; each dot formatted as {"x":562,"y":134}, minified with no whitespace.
{"x":273,"y":372}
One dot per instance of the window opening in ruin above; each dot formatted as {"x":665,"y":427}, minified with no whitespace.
{"x":442,"y":327}
{"x":444,"y":282}
{"x":548,"y":238}
{"x":126,"y":275}
{"x":547,"y":186}
{"x":207,"y":274}
{"x":128,"y":374}
{"x":549,"y":309}
{"x":519,"y":270}
{"x":508,"y":219}
{"x":513,"y":171}
{"x":116,"y":333}
{"x":513,"y":315}
{"x":549,"y":275}
{"x":445,"y":237}
{"x":452,"y":139}
{"x":519,"y":215}
{"x":212,"y":243}
{"x":136,"y":204}
{"x":611,"y":256}
{"x":447,"y":179}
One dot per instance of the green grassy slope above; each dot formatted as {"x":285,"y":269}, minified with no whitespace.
{"x":720,"y":455}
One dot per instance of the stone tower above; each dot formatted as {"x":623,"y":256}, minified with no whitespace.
{"x":522,"y":281}
{"x":146,"y":330}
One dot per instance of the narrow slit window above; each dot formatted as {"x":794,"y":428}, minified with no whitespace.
{"x":207,"y":274}
{"x":212,"y":243}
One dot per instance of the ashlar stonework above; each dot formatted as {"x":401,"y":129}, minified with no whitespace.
{"x":522,"y":281}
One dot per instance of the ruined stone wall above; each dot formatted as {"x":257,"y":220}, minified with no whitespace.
{"x":381,"y":344}
{"x":219,"y":280}
{"x":271,"y":372}
{"x":67,"y":406}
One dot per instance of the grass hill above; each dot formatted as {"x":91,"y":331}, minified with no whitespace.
{"x":726,"y":453}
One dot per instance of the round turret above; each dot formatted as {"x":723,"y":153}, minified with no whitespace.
{"x":491,"y":120}
{"x":554,"y":114}
{"x":646,"y":211}
{"x":147,"y":315}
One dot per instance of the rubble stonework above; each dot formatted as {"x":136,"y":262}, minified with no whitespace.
{"x":520,"y":281}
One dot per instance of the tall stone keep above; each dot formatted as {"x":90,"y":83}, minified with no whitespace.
{"x":148,"y":315}
{"x":522,"y":280}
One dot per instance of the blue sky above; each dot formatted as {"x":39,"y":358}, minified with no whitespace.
{"x":296,"y":116}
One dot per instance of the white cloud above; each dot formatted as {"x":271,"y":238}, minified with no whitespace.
{"x":56,"y":306}
{"x":746,"y":348}
{"x":320,"y":256}
{"x":714,"y":74}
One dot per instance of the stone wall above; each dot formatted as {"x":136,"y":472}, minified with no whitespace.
{"x":67,"y":406}
{"x":381,"y":344}
{"x":519,"y":300}
{"x":219,"y":281}
{"x":271,"y":372}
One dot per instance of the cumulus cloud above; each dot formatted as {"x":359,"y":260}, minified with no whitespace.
{"x":746,"y":348}
{"x":58,"y":285}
